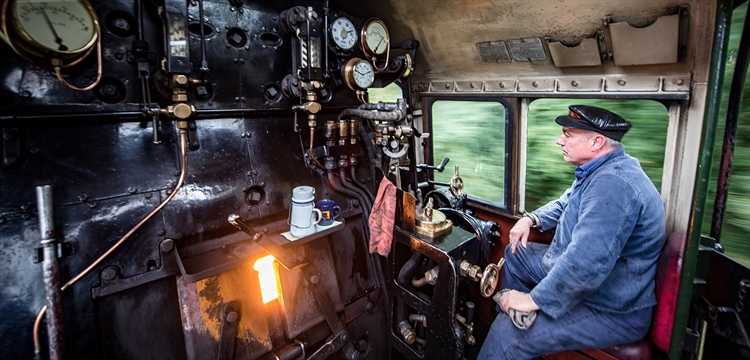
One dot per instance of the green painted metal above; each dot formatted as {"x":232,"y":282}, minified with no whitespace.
{"x":700,"y":189}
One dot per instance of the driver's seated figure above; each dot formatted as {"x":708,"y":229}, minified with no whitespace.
{"x":593,"y":286}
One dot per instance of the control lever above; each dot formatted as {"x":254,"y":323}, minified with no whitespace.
{"x":439,"y":168}
{"x":283,"y":256}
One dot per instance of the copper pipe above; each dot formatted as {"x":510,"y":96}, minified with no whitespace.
{"x":312,"y":154}
{"x":37,"y":323}
{"x":98,"y":66}
{"x":183,"y":173}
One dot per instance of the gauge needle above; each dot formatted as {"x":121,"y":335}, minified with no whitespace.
{"x":378,"y":45}
{"x":58,"y":40}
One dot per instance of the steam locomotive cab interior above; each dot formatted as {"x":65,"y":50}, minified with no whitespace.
{"x":159,"y":155}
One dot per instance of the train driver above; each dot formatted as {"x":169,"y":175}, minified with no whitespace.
{"x":593,"y":286}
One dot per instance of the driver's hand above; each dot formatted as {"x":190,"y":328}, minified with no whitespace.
{"x":520,"y":233}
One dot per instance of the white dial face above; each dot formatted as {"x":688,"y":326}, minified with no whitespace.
{"x":343,"y":33}
{"x":63,"y":26}
{"x":363,"y":73}
{"x":376,"y":36}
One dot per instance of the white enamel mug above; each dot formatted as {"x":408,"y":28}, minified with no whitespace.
{"x":303,"y":215}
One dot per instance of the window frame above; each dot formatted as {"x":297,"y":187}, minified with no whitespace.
{"x":510,"y":164}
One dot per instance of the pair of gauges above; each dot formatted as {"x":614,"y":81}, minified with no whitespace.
{"x":359,"y":74}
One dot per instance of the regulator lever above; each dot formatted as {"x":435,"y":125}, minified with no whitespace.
{"x":439,"y":168}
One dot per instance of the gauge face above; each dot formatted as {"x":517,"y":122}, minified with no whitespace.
{"x":358,"y":74}
{"x":375,"y":37}
{"x":343,"y":33}
{"x":364,"y":74}
{"x":63,"y":26}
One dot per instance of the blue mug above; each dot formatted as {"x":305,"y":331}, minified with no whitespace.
{"x":329,"y":211}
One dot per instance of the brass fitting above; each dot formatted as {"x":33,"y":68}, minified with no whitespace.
{"x":473,"y":272}
{"x":331,"y":132}
{"x":469,"y":330}
{"x":179,"y":97}
{"x":353,"y":131}
{"x":179,"y":111}
{"x":180,"y":79}
{"x":343,"y":131}
{"x":312,"y":107}
{"x":407,"y":333}
{"x":432,"y":276}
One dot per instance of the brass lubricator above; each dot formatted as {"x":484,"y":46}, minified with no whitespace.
{"x":431,"y":222}
{"x":487,"y":279}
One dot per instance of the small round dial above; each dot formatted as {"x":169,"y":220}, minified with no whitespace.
{"x":375,"y":38}
{"x":343,"y":33}
{"x":359,"y":74}
{"x":63,"y":27}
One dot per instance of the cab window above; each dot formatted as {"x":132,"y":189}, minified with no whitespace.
{"x":473,"y":135}
{"x":736,"y":217}
{"x":548,"y":175}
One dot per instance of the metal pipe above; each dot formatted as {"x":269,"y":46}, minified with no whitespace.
{"x":347,"y":185}
{"x":430,"y":277}
{"x":418,"y":318}
{"x":367,"y":141}
{"x":380,"y":106}
{"x":183,"y":173}
{"x":139,"y":14}
{"x":204,"y":63}
{"x":363,"y":187}
{"x":730,"y":130}
{"x":51,"y":274}
{"x":469,"y":312}
{"x":394,"y":115}
{"x":419,"y":282}
{"x":336,"y":187}
{"x":410,"y":267}
{"x":325,"y":32}
{"x":700,"y":185}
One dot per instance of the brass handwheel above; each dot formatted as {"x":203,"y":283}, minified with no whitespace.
{"x":488,"y":283}
{"x":456,"y":184}
{"x":489,"y":280}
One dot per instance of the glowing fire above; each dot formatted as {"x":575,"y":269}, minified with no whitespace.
{"x":267,"y":276}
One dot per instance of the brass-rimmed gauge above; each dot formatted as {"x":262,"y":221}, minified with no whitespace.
{"x":375,"y":38}
{"x":358,"y":74}
{"x":408,"y":66}
{"x":53,"y":29}
{"x":53,"y":34}
{"x":343,"y":34}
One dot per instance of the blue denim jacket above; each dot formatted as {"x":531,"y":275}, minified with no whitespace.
{"x":610,"y":233}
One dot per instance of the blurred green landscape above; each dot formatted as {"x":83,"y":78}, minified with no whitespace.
{"x":472,"y":134}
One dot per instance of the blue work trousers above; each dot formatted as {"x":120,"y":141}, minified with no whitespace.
{"x":580,"y":328}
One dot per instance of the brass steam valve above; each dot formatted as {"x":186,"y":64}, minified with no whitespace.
{"x":487,"y":279}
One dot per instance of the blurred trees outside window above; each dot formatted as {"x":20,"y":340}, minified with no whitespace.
{"x":390,"y":93}
{"x":736,"y":224}
{"x":548,"y":175}
{"x":472,"y":134}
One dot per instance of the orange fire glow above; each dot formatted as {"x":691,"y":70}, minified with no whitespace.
{"x":267,"y":276}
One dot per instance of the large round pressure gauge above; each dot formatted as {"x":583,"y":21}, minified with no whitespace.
{"x":59,"y":28}
{"x":343,"y":33}
{"x":375,"y":38}
{"x":358,"y":74}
